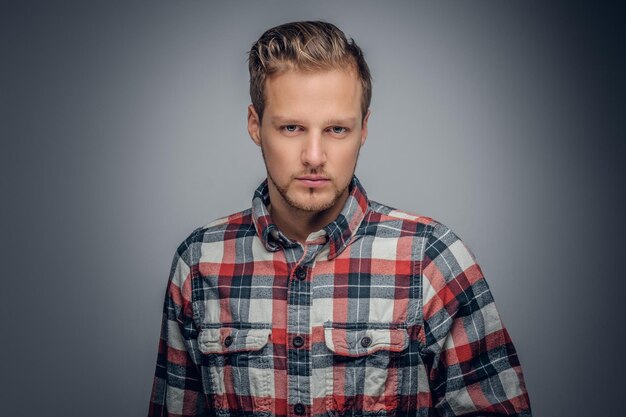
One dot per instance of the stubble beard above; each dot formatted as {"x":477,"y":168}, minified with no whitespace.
{"x":307,"y":207}
{"x":312,"y":207}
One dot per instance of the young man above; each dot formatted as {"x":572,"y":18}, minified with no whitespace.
{"x":316,"y":300}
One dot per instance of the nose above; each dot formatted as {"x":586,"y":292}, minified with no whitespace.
{"x":313,"y":153}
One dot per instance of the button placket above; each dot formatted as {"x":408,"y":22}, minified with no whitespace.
{"x":298,"y":325}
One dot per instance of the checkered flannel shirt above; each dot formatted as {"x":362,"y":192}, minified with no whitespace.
{"x":380,"y":313}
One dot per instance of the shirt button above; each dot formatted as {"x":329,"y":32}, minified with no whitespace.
{"x":299,"y":409}
{"x":300,"y":273}
{"x":366,"y":341}
{"x":298,"y":341}
{"x":228,"y":340}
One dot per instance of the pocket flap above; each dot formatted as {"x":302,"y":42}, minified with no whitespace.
{"x":230,"y":340}
{"x":360,"y":342}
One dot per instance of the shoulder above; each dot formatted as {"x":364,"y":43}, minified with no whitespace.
{"x":213,"y":235}
{"x":390,"y":213}
{"x":227,"y":227}
{"x":383,"y":216}
{"x":438,"y":240}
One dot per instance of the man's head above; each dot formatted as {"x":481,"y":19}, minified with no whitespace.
{"x":310,"y":91}
{"x":306,"y":47}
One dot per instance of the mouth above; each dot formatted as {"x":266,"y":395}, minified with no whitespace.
{"x":313,"y":181}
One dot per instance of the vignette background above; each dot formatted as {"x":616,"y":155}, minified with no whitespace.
{"x":123,"y":128}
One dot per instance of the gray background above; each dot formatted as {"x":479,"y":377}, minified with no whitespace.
{"x":123,"y":128}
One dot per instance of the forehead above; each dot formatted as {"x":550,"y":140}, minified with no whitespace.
{"x":313,"y":93}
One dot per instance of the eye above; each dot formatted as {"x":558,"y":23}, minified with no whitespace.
{"x":338,"y":131}
{"x":290,"y":129}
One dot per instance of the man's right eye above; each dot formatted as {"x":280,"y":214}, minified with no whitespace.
{"x":290,"y":128}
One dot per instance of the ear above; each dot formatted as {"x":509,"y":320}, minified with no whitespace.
{"x":254,"y":125}
{"x":364,"y":127}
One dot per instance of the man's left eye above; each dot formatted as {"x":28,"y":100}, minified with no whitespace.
{"x":338,"y":129}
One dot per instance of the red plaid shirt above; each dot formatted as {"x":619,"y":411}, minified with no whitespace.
{"x":380,"y":313}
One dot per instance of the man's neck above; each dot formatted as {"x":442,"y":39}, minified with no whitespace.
{"x":298,"y":224}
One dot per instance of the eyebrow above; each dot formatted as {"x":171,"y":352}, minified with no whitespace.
{"x":283,"y":120}
{"x":351,"y":121}
{"x":287,"y":120}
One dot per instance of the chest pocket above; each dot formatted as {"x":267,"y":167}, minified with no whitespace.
{"x":365,"y":377}
{"x":237,"y":368}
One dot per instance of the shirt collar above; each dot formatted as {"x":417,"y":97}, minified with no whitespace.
{"x":338,"y":232}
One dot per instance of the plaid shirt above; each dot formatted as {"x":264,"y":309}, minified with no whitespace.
{"x":380,"y":313}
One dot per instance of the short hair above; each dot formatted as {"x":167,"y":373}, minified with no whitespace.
{"x":304,"y":46}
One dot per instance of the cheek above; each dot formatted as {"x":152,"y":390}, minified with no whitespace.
{"x":277,"y":154}
{"x":347,"y":157}
{"x":279,"y":159}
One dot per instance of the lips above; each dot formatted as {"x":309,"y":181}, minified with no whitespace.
{"x":313,"y":181}
{"x":312,"y":178}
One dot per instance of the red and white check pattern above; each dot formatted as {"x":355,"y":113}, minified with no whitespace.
{"x":380,"y":313}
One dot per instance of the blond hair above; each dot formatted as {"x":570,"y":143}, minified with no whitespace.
{"x":304,"y":46}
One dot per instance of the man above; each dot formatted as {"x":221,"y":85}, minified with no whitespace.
{"x":316,"y":300}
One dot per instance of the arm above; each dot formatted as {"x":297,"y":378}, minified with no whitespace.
{"x":475,"y":369}
{"x":177,"y":387}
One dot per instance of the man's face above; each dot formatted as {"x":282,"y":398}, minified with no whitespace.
{"x":310,"y":136}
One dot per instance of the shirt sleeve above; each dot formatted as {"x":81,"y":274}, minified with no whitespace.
{"x":474,"y":366}
{"x":177,"y":387}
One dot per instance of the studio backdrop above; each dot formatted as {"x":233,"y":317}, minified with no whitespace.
{"x":123,"y":128}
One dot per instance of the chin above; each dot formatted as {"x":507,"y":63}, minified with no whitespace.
{"x":321,"y":201}
{"x":312,"y":204}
